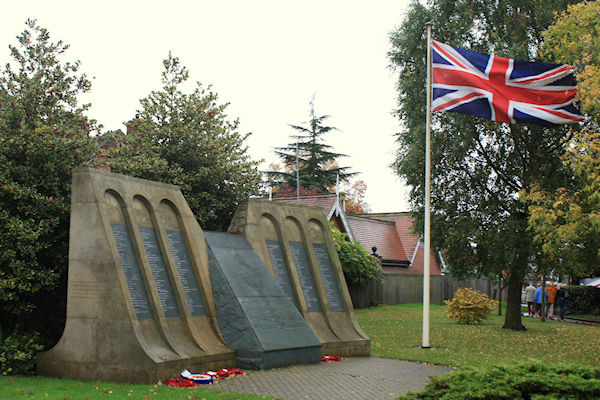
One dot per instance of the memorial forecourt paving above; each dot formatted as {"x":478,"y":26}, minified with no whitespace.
{"x":352,"y":378}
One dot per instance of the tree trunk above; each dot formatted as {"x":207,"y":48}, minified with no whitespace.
{"x":500,"y":295}
{"x":512,"y":320}
{"x":543,"y":298}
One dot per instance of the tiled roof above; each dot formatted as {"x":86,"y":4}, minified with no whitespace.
{"x":381,"y":234}
{"x":410,"y":241}
{"x":403,"y":222}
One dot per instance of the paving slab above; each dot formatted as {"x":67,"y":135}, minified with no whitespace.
{"x":351,"y":378}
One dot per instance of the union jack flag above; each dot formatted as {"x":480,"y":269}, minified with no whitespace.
{"x":502,"y":89}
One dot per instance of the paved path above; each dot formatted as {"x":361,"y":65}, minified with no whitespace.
{"x":352,"y":378}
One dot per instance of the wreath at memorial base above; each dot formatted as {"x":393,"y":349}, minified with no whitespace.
{"x":181,"y":382}
{"x":192,"y":380}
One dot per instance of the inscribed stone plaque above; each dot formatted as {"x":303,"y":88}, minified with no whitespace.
{"x":159,"y":272}
{"x":332,"y":289}
{"x":282,"y":275}
{"x":135,"y":282}
{"x":255,"y":315}
{"x":307,"y":280}
{"x":186,"y":273}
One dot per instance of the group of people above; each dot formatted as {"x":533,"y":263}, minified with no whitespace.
{"x":553,"y":294}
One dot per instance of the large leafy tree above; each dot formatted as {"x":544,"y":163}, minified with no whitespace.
{"x":480,"y":166}
{"x":317,"y":163}
{"x":566,"y":222}
{"x":44,"y":134}
{"x":187,"y":140}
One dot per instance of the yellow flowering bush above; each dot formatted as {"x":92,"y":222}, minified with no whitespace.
{"x":470,"y":306}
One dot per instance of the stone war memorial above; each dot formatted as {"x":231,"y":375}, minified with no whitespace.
{"x":139,"y":301}
{"x":150,"y":293}
{"x":295,"y":243}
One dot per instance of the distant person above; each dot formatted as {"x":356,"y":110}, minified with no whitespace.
{"x":551,"y":292}
{"x":561,"y":298}
{"x":537,"y":298}
{"x":529,"y":293}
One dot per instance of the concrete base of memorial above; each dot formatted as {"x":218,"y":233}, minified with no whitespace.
{"x":139,"y":306}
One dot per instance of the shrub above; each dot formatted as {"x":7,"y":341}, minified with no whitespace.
{"x":470,"y":306}
{"x":529,"y":380}
{"x":358,"y":265}
{"x":18,"y":352}
{"x":583,"y":300}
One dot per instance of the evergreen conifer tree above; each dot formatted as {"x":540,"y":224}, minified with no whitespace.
{"x":318,"y":169}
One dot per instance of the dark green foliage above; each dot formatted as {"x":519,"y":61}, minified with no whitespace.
{"x":18,"y":351}
{"x":186,"y":140}
{"x":583,"y":300}
{"x":358,"y":265}
{"x":318,"y":169}
{"x":479,"y":166}
{"x":43,"y":136}
{"x":530,"y":380}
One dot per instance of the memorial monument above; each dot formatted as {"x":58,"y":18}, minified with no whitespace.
{"x":150,"y":294}
{"x":295,"y":244}
{"x":139,"y":299}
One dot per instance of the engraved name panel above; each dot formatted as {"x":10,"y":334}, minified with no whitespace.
{"x":186,"y":273}
{"x":330,"y":282}
{"x":159,"y":272}
{"x":132,"y":272}
{"x":307,"y":280}
{"x":282,"y":275}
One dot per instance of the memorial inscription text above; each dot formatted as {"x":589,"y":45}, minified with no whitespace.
{"x":307,"y":280}
{"x":132,"y":272}
{"x":332,"y":289}
{"x":186,"y":273}
{"x":159,"y":272}
{"x":282,"y":275}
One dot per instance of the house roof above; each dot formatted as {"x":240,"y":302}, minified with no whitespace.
{"x":403,"y":222}
{"x":376,"y":233}
{"x":411,"y":242}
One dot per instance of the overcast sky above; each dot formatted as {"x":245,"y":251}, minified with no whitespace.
{"x":266,"y":58}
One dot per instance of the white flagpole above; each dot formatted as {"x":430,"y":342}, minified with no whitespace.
{"x":427,"y":229}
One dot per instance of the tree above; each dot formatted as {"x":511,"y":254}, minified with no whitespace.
{"x":566,"y":222}
{"x":44,"y":134}
{"x":318,"y":169}
{"x":354,"y":197}
{"x":187,"y":140}
{"x":480,"y":166}
{"x":574,"y":38}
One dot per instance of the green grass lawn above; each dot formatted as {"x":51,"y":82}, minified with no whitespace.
{"x":42,"y":388}
{"x":396,"y":332}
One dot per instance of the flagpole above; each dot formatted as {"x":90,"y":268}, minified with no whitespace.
{"x":427,"y":227}
{"x":297,"y":176}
